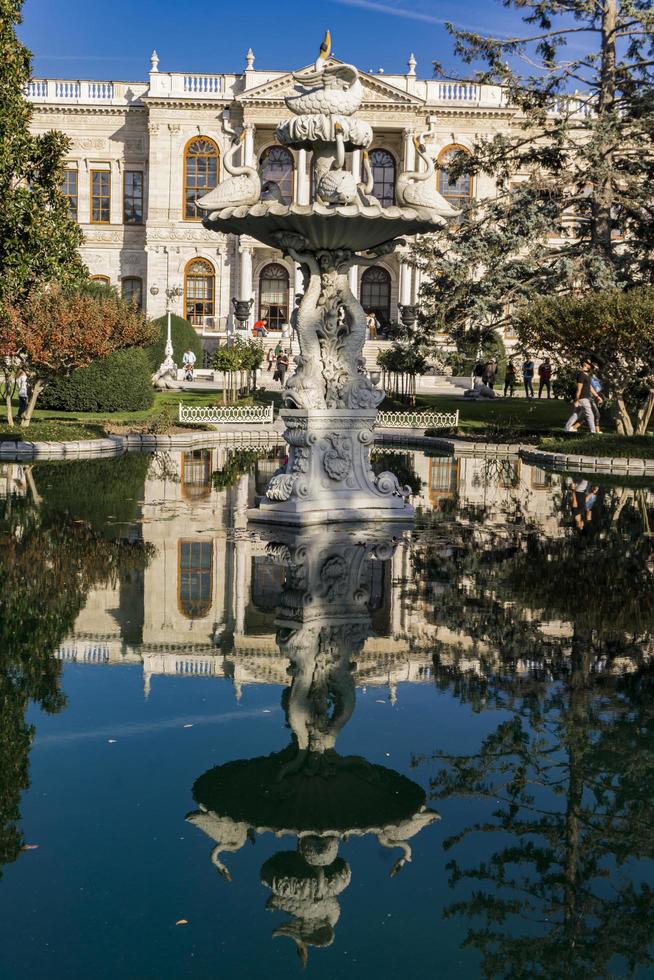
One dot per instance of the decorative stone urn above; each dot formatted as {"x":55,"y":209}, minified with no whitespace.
{"x":408,"y":314}
{"x":330,"y":404}
{"x":242,"y":309}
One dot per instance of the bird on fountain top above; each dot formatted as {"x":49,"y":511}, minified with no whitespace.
{"x":336,"y":90}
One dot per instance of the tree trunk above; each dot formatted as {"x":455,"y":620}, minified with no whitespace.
{"x":9,"y":407}
{"x":645,"y":414}
{"x":602,"y":187}
{"x":625,"y":425}
{"x":36,"y":391}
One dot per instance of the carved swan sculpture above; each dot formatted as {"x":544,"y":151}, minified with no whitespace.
{"x":337,"y":88}
{"x":417,"y":188}
{"x":337,"y":186}
{"x":243,"y":186}
{"x":365,"y":189}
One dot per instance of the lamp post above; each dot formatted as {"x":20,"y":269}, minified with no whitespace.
{"x":172,"y":293}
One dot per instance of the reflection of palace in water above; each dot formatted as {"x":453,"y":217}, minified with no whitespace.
{"x":204,"y":606}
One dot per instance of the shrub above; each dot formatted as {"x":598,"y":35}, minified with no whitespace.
{"x":120,"y":382}
{"x":463,"y":360}
{"x":183,"y":336}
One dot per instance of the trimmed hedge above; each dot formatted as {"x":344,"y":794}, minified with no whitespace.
{"x":121,"y":382}
{"x":183,"y":336}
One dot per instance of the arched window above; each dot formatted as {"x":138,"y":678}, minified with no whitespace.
{"x":201,"y":159}
{"x":199,"y":291}
{"x":383,"y":172}
{"x":273,"y":295}
{"x":276,"y":164}
{"x":104,"y":280}
{"x":459,"y":191}
{"x":195,"y":578}
{"x":132,"y":290}
{"x":376,"y":293}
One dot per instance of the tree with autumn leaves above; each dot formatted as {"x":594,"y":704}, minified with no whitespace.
{"x":50,"y":322}
{"x":58,"y":330}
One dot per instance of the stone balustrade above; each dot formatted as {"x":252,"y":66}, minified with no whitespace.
{"x":84,"y":92}
{"x":226,"y":414}
{"x":417,"y":420}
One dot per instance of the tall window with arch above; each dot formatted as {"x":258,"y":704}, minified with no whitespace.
{"x":376,"y":293}
{"x":199,"y":292}
{"x":201,"y":160}
{"x":195,"y":578}
{"x":382,"y":164}
{"x":276,"y":165}
{"x":458,"y":192}
{"x":131,"y":289}
{"x":273,"y":295}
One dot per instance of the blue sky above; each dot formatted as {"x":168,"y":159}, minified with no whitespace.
{"x":113,"y":40}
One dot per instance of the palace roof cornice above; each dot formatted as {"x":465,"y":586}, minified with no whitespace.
{"x":157,"y":102}
{"x":61,"y":108}
{"x":275,"y":91}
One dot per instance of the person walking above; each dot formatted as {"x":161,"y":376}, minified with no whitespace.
{"x":270,"y":359}
{"x":528,"y":376}
{"x":188,"y":363}
{"x":583,"y":397}
{"x":23,"y":392}
{"x":477,"y":372}
{"x":545,"y":377}
{"x":510,"y":378}
{"x":490,"y":371}
{"x":372,"y":326}
{"x":596,"y":391}
{"x":282,"y":367}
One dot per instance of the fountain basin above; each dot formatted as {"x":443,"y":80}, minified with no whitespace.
{"x":355,"y":227}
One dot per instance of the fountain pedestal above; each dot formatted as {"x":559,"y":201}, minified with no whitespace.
{"x":330,"y":401}
{"x":328,"y":477}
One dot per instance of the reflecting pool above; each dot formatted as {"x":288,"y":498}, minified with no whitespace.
{"x":361,"y":751}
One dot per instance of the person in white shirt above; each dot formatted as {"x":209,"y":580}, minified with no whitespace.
{"x":188,"y":362}
{"x":23,"y":392}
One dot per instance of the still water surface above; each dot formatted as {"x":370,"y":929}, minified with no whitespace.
{"x":369,"y":751}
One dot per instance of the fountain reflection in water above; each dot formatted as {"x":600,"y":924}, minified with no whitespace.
{"x":308,"y":790}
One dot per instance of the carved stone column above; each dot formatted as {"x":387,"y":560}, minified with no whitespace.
{"x":302,"y":188}
{"x":245,"y":275}
{"x":405,"y":292}
{"x":248,"y":145}
{"x":409,"y":150}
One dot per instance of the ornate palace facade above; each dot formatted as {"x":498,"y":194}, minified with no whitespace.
{"x":143,"y":152}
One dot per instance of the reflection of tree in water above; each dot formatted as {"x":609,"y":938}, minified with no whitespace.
{"x":48,"y":562}
{"x":568,"y":777}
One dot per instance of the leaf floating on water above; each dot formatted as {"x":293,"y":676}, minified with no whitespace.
{"x":188,"y":726}
{"x":182,"y":922}
{"x":379,"y":701}
{"x":29,"y":847}
{"x":111,"y":741}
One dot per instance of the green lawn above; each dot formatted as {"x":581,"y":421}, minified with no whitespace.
{"x":499,"y":420}
{"x":602,"y":444}
{"x":49,"y":425}
{"x":502,"y":419}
